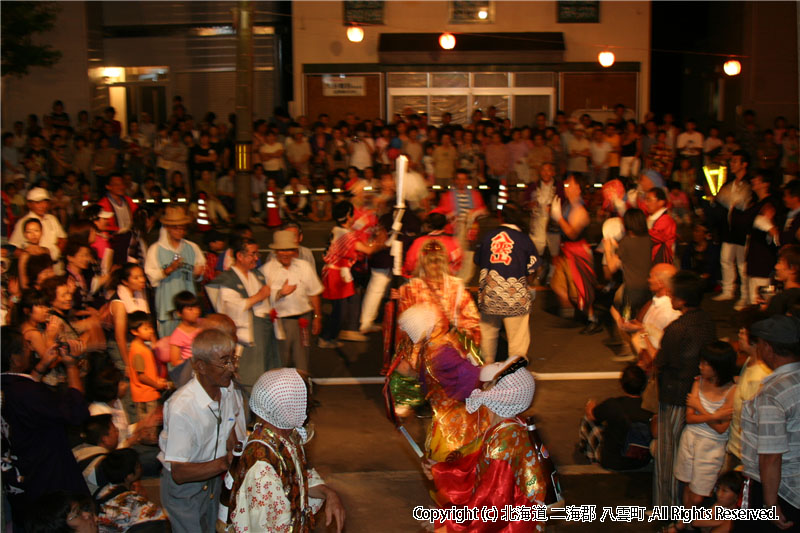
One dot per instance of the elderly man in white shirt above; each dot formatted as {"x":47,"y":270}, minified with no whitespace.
{"x":658,"y":314}
{"x":203,"y":420}
{"x":244,"y":296}
{"x":295,"y":292}
{"x":53,"y":236}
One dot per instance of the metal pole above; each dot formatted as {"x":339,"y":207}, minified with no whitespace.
{"x":243,"y":22}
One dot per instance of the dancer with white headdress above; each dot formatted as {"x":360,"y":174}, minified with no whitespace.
{"x":272,"y":488}
{"x":507,"y":469}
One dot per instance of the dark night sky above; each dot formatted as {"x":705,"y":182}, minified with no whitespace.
{"x":680,"y":82}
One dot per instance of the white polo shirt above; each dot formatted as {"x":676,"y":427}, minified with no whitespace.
{"x":191,"y":429}
{"x":659,"y":315}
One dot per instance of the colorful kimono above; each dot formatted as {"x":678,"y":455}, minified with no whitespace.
{"x":663,"y":234}
{"x":337,"y":279}
{"x":449,"y":377}
{"x":122,"y":508}
{"x":452,"y":298}
{"x":505,"y":471}
{"x":270,"y":485}
{"x":580,"y":265}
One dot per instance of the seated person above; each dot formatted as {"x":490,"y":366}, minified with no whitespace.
{"x":61,"y":511}
{"x":616,"y":432}
{"x":506,"y":470}
{"x":120,"y":505}
{"x":72,"y":324}
{"x":104,"y":390}
{"x":100,"y":436}
{"x":787,"y":270}
{"x":729,"y":489}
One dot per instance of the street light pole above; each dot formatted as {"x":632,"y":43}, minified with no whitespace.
{"x":243,"y":23}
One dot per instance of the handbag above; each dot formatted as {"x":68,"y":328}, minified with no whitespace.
{"x":650,"y":395}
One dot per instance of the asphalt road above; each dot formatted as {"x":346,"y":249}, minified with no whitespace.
{"x":359,"y":452}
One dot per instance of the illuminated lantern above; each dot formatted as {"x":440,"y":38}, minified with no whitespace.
{"x":355,"y":34}
{"x":483,"y":14}
{"x":447,"y":41}
{"x":732,"y":67}
{"x":606,"y":58}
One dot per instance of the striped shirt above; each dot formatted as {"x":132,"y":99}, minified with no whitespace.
{"x":771,"y":424}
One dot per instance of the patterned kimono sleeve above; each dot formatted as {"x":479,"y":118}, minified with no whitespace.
{"x":469,"y":318}
{"x":260,"y":503}
{"x":314,"y":479}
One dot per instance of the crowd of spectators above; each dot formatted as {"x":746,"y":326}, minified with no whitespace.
{"x":625,"y":221}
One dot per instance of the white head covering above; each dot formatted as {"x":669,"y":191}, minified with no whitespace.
{"x":509,"y":397}
{"x":418,"y":321}
{"x":280,"y":398}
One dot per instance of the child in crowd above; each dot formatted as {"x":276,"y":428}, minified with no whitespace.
{"x":709,"y":408}
{"x":121,"y":505}
{"x":608,"y":429}
{"x":100,"y":436}
{"x":146,"y":385}
{"x":32,"y":231}
{"x":728,"y":491}
{"x":215,"y":256}
{"x":187,"y":307}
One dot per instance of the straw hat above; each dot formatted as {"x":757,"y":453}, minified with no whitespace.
{"x":284,"y":240}
{"x":175,"y":216}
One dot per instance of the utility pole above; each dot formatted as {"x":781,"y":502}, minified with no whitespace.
{"x":243,"y":23}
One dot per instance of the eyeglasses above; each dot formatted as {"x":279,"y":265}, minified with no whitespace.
{"x":224,"y":363}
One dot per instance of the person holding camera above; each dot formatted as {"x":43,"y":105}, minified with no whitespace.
{"x":172,"y":264}
{"x":36,"y":418}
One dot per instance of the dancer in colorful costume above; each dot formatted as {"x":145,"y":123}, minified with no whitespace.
{"x":272,"y":488}
{"x":448,"y":375}
{"x":574,"y":279}
{"x":506,"y":470}
{"x":435,"y":287}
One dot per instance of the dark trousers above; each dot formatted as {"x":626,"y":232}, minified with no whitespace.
{"x":344,"y":316}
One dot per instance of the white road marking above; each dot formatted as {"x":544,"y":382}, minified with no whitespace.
{"x":545,"y":376}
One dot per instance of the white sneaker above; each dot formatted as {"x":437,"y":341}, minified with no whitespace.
{"x":722,"y":297}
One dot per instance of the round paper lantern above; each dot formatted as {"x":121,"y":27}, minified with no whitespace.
{"x":447,"y":41}
{"x":355,"y":34}
{"x":606,"y":58}
{"x":732,"y":67}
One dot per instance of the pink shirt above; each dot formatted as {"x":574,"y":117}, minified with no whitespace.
{"x":183,"y":340}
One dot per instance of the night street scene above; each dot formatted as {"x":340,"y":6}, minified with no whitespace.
{"x":400,"y":266}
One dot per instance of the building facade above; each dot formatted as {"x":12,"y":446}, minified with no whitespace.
{"x":521,"y":57}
